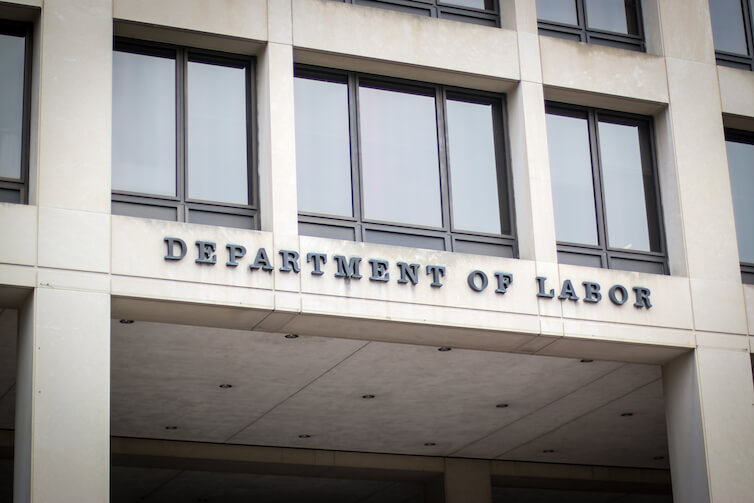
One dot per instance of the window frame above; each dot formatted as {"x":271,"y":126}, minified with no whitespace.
{"x":452,"y":238}
{"x":747,"y":137}
{"x":582,"y":33}
{"x":181,"y":202}
{"x":609,"y":256}
{"x":439,"y":9}
{"x":734,"y":60}
{"x":21,"y":184}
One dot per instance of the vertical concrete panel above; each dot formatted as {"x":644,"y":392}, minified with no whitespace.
{"x":63,"y":405}
{"x":75,"y":97}
{"x":467,"y":481}
{"x":727,"y":398}
{"x":683,"y":416}
{"x":277,"y":140}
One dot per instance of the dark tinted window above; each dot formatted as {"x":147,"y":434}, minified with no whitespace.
{"x":401,"y":163}
{"x":484,"y":12}
{"x":740,"y":148}
{"x":731,"y":28}
{"x":14,"y":110}
{"x":604,"y":189}
{"x":181,"y":135}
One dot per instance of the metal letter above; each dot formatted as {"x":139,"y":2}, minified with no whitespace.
{"x":567,"y":292}
{"x":206,"y":252}
{"x":410,"y":271}
{"x":234,"y":252}
{"x":541,"y":288}
{"x":319,"y":259}
{"x":379,"y":270}
{"x":504,"y":280}
{"x":289,"y":259}
{"x":347,"y":271}
{"x":437,"y":271}
{"x":614,"y":298}
{"x":171,"y":242}
{"x":592,"y":292}
{"x":471,"y":280}
{"x":642,"y":297}
{"x":261,"y":261}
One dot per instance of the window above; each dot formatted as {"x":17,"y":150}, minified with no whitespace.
{"x":392,"y":162}
{"x":740,"y":148}
{"x":731,"y":30}
{"x":182,"y":136}
{"x":604,"y":189}
{"x":15,"y":97}
{"x":471,"y":11}
{"x":615,"y":23}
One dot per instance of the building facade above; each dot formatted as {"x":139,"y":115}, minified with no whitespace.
{"x":404,"y":250}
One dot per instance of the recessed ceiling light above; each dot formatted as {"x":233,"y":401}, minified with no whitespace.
{"x":502,"y":406}
{"x":429,"y":444}
{"x":291,"y":336}
{"x":548,"y":451}
{"x":586,"y":360}
{"x":444,"y":348}
{"x":658,"y":458}
{"x":126,"y":322}
{"x":171,"y":427}
{"x":627,"y":414}
{"x":225,"y":386}
{"x":367,"y":397}
{"x":304,"y":436}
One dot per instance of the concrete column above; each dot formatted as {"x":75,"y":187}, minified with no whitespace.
{"x":702,"y":237}
{"x":277,"y":140}
{"x":467,"y":481}
{"x":709,"y":404}
{"x":62,"y":438}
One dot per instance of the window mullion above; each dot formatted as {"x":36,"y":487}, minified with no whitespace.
{"x":354,"y":125}
{"x":599,"y":190}
{"x":180,"y":133}
{"x":446,"y":202}
{"x":581,"y":19}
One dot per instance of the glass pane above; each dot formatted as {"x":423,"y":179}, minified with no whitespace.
{"x":623,"y":180}
{"x":557,"y":11}
{"x":11,"y":105}
{"x":572,"y":182}
{"x":401,"y":175}
{"x":473,"y":167}
{"x":741,"y":165}
{"x":143,"y":124}
{"x":323,"y":154}
{"x":608,"y":15}
{"x":216,"y":133}
{"x":474,"y":4}
{"x":728,"y":26}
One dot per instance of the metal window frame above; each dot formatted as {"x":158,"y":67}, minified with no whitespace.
{"x":181,"y":201}
{"x":608,"y":256}
{"x":449,"y":235}
{"x":21,"y":184}
{"x":747,"y":137}
{"x":734,"y":60}
{"x":489,"y":16}
{"x":582,"y":33}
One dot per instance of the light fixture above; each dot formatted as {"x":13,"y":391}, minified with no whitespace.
{"x":444,"y":348}
{"x":627,"y":414}
{"x":225,"y":386}
{"x":429,"y":444}
{"x":126,"y":322}
{"x":548,"y":451}
{"x":586,"y":360}
{"x":502,"y":406}
{"x":170,"y":427}
{"x":291,"y":336}
{"x":304,"y":436}
{"x":367,"y":397}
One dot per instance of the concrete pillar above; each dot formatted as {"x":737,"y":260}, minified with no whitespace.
{"x":467,"y":481}
{"x":276,"y":125}
{"x":709,"y":403}
{"x":62,"y":438}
